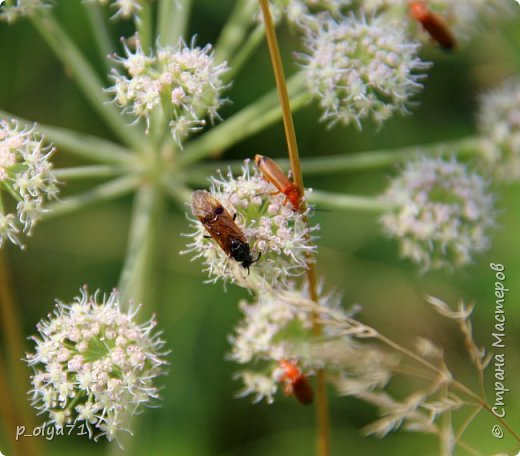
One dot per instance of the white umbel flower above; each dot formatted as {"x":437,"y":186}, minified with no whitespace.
{"x":12,"y":10}
{"x":125,"y":9}
{"x":440,"y":212}
{"x":359,"y":68}
{"x":300,"y":12}
{"x":184,"y":82}
{"x":272,"y":228}
{"x":499,"y":124}
{"x":94,"y":364}
{"x":26,"y":179}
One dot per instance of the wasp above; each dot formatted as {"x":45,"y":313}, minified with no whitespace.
{"x":434,"y":24}
{"x":222,"y":227}
{"x":296,"y":383}
{"x":273,"y":173}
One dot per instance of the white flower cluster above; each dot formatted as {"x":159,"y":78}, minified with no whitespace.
{"x":124,"y":8}
{"x":93,"y":363}
{"x":25,"y":177}
{"x":361,"y":67}
{"x":499,"y":124}
{"x":440,"y":212}
{"x":185,"y":82}
{"x":12,"y":10}
{"x":272,"y":330}
{"x":271,"y":226}
{"x":300,"y":12}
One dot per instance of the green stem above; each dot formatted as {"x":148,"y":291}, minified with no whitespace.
{"x":104,"y":192}
{"x":322,"y":406}
{"x":87,"y":172}
{"x":172,"y":19}
{"x":99,"y":32}
{"x":144,"y":26}
{"x":235,"y":29}
{"x":137,"y":273}
{"x":179,"y":192}
{"x":250,"y":120}
{"x":136,"y":279}
{"x":13,"y":339}
{"x":86,"y":78}
{"x":351,"y":162}
{"x":334,"y":201}
{"x":245,"y":52}
{"x":80,"y":144}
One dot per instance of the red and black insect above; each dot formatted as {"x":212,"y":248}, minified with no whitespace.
{"x":434,"y":24}
{"x":222,"y":227}
{"x":273,"y":173}
{"x":296,"y":383}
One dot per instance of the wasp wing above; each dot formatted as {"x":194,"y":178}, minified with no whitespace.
{"x":216,"y":219}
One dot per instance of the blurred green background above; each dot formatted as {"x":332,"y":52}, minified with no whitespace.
{"x":199,"y":414}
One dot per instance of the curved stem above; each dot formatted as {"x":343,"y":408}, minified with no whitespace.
{"x":86,"y":78}
{"x":327,"y":200}
{"x":99,"y":32}
{"x":245,"y":52}
{"x":104,"y":192}
{"x":250,"y":120}
{"x":351,"y":162}
{"x":136,"y":275}
{"x":172,"y":19}
{"x":143,"y":25}
{"x":80,"y":144}
{"x":87,"y":172}
{"x":234,"y":31}
{"x":322,"y":412}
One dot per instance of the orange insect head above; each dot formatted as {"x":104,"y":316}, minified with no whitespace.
{"x":296,"y":383}
{"x":419,"y":10}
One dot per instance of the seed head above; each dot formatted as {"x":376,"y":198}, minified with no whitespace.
{"x":271,"y":227}
{"x":94,"y":363}
{"x":185,"y":82}
{"x":360,"y":68}
{"x":26,"y":180}
{"x":499,"y":124}
{"x":440,"y":212}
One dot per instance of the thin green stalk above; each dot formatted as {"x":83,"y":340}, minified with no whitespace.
{"x":179,"y":192}
{"x":172,"y":20}
{"x":322,"y":407}
{"x":245,"y":51}
{"x":87,"y":80}
{"x":144,"y":25}
{"x":137,"y":273}
{"x":14,"y":341}
{"x":88,"y":172}
{"x":250,"y":120}
{"x":99,"y":32}
{"x":339,"y":201}
{"x":8,"y":411}
{"x":80,"y":144}
{"x":351,"y":162}
{"x":234,"y":31}
{"x":104,"y":192}
{"x":136,"y":279}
